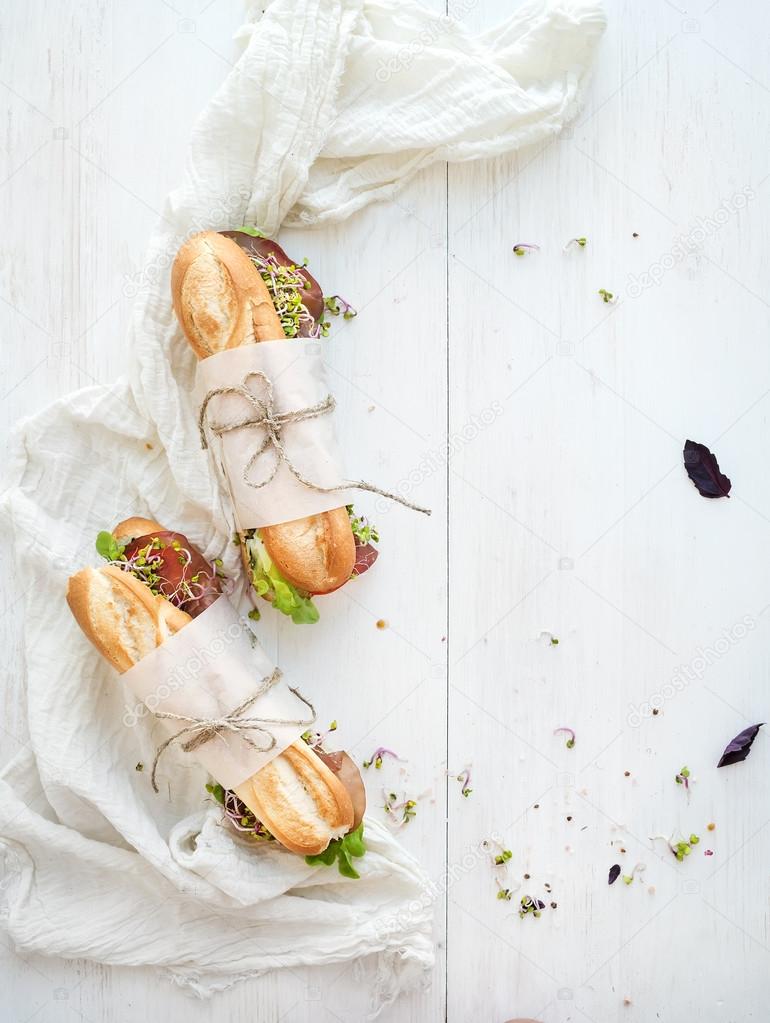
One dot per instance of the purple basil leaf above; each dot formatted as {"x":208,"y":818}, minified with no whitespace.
{"x":738,"y":749}
{"x":703,"y":469}
{"x":614,"y":874}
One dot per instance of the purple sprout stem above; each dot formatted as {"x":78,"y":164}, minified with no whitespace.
{"x":569,"y":732}
{"x":378,"y":754}
{"x":346,"y":306}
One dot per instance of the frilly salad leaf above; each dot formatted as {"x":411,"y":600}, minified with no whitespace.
{"x":343,"y":850}
{"x":253,"y":231}
{"x":269,"y":583}
{"x":108,"y":547}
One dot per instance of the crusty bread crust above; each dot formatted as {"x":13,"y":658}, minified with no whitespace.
{"x":221,"y":302}
{"x":316,"y":553}
{"x":131,"y":528}
{"x":298,"y":798}
{"x":219,"y":298}
{"x":120,"y":615}
{"x":303,"y":807}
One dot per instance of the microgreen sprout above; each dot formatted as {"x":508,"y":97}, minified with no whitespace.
{"x":639,"y":868}
{"x":570,"y":743}
{"x":407,"y":808}
{"x":379,"y":753}
{"x":363,"y":531}
{"x":286,"y":284}
{"x":316,"y":739}
{"x":582,"y":242}
{"x":504,"y":893}
{"x":530,"y":905}
{"x":502,"y":857}
{"x":607,"y":296}
{"x":520,"y":248}
{"x":148,"y":565}
{"x":683,"y":778}
{"x":243,"y":820}
{"x":464,"y":777}
{"x":680,"y":848}
{"x":333,"y":303}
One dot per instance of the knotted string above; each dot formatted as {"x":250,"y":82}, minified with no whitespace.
{"x":262,"y":414}
{"x":202,"y":730}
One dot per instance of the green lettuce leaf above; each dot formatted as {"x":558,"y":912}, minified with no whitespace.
{"x":269,"y":583}
{"x":343,"y":850}
{"x":108,"y":547}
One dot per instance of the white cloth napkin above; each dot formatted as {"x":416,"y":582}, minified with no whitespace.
{"x":361,"y":95}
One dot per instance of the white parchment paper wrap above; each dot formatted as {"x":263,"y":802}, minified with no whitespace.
{"x":206,"y":670}
{"x":296,"y":369}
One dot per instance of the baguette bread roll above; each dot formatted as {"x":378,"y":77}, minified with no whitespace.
{"x":221,"y":302}
{"x":301,"y":802}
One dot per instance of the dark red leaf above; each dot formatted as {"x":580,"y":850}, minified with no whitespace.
{"x":344,"y":767}
{"x":703,"y":469}
{"x":614,"y":874}
{"x":312,"y":297}
{"x":178,"y":566}
{"x":738,"y":748}
{"x":366,"y":555}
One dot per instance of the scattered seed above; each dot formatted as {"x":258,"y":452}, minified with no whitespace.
{"x":381,"y":623}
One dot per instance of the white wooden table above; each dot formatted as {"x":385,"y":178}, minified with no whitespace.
{"x":569,"y":513}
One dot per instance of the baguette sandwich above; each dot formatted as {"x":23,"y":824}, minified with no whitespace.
{"x":232,"y":289}
{"x":156,"y":582}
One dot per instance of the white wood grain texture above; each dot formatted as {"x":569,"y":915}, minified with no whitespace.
{"x":569,"y":511}
{"x":591,"y":531}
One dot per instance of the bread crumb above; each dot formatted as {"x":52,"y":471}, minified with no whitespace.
{"x":381,"y":623}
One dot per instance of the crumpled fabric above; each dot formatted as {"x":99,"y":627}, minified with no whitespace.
{"x":330,"y":107}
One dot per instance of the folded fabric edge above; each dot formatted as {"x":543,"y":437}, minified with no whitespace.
{"x":398,"y":971}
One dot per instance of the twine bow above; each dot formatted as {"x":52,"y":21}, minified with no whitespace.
{"x":262,"y":414}
{"x":202,"y":730}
